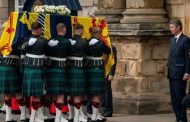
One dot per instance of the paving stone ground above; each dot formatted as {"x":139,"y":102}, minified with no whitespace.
{"x":131,"y":118}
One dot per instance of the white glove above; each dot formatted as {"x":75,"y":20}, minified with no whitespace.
{"x":72,"y":41}
{"x":93,"y":41}
{"x":53,"y":43}
{"x":32,"y":41}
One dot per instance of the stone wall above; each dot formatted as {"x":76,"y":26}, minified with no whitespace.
{"x":140,"y":85}
{"x":88,"y":7}
{"x":3,"y":13}
{"x":6,"y":7}
{"x":180,"y":9}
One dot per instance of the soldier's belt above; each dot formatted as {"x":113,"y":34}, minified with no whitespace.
{"x":57,"y":59}
{"x":34,"y":56}
{"x":11,"y":56}
{"x":36,"y":61}
{"x":75,"y":58}
{"x":56,"y":62}
{"x":93,"y":58}
{"x":11,"y":60}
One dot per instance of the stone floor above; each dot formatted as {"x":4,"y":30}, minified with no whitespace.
{"x":133,"y":118}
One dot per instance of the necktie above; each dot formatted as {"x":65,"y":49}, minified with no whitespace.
{"x":176,"y":40}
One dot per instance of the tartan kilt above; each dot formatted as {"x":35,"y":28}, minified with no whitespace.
{"x":56,"y":80}
{"x":76,"y":81}
{"x":96,"y":80}
{"x":33,"y":82}
{"x":9,"y":80}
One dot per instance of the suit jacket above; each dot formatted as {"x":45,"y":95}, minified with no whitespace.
{"x":179,"y":57}
{"x":113,"y":68}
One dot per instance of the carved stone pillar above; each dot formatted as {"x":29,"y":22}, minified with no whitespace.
{"x":141,"y":38}
{"x":150,"y":13}
{"x":111,"y":10}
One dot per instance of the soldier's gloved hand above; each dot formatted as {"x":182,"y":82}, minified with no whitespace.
{"x":53,"y":43}
{"x":32,"y":41}
{"x":93,"y":41}
{"x":24,"y":46}
{"x":72,"y":41}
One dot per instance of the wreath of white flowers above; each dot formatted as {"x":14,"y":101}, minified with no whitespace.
{"x":61,"y":9}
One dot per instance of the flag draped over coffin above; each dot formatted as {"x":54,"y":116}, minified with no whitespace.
{"x":18,"y":27}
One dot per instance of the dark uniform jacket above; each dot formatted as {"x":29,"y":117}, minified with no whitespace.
{"x":96,"y":49}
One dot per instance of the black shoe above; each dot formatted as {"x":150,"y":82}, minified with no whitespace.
{"x":11,"y":121}
{"x":3,"y":112}
{"x":70,"y":120}
{"x":103,"y":120}
{"x":49,"y":120}
{"x":93,"y":121}
{"x":107,"y":114}
{"x":27,"y":120}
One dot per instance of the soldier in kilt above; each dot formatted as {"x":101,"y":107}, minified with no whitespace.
{"x":57,"y":51}
{"x":76,"y":74}
{"x":95,"y":71}
{"x":33,"y":73}
{"x":10,"y":82}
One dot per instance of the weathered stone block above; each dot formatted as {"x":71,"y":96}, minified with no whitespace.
{"x":186,"y":24}
{"x":120,"y":68}
{"x":131,"y":68}
{"x":3,"y":3}
{"x":144,"y":3}
{"x":158,"y":84}
{"x":147,"y":67}
{"x":86,"y":3}
{"x":174,"y":1}
{"x":131,"y":51}
{"x":3,"y":13}
{"x":149,"y":107}
{"x":144,"y":105}
{"x":160,"y":50}
{"x":187,"y":8}
{"x":127,"y":85}
{"x":143,"y":85}
{"x":87,"y":11}
{"x":96,"y":2}
{"x":176,"y":11}
{"x":146,"y":51}
{"x":118,"y":48}
{"x":1,"y":31}
{"x":161,"y":65}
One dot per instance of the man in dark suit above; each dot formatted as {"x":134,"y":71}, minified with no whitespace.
{"x":106,"y":100}
{"x":178,"y":68}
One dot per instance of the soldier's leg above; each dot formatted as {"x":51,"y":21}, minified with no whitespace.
{"x":22,"y":102}
{"x":9,"y":115}
{"x":59,"y":107}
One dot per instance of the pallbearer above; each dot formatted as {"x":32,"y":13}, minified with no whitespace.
{"x":9,"y":79}
{"x":57,"y":52}
{"x":95,"y":71}
{"x":33,"y":74}
{"x":76,"y":74}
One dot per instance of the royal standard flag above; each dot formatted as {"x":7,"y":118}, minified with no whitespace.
{"x":8,"y":34}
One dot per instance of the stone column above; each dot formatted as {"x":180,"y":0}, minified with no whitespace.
{"x":3,"y":13}
{"x":111,"y":9}
{"x":140,"y":85}
{"x":150,"y":13}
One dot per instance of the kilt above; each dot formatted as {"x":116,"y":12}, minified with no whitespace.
{"x":33,"y":82}
{"x":9,"y":80}
{"x":96,"y":80}
{"x":56,"y":80}
{"x":76,"y":81}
